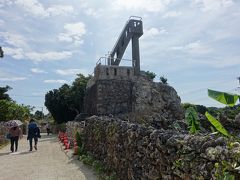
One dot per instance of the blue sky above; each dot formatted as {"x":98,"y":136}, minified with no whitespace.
{"x":193,"y":43}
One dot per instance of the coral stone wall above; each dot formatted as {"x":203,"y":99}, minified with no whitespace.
{"x":137,"y":152}
{"x":109,"y":97}
{"x":72,"y":128}
{"x":3,"y":133}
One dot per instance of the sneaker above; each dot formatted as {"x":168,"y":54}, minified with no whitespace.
{"x":35,"y":147}
{"x":30,"y":149}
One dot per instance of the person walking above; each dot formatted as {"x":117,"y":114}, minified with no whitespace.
{"x":48,"y":128}
{"x":15,"y":133}
{"x":33,"y":134}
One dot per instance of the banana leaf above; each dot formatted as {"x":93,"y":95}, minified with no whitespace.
{"x":223,"y":97}
{"x":216,"y":124}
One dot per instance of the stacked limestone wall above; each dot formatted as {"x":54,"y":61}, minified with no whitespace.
{"x":72,"y":128}
{"x":3,"y":132}
{"x":138,"y":95}
{"x":137,"y":152}
{"x":109,"y":97}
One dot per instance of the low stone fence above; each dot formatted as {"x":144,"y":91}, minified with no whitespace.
{"x":137,"y":152}
{"x":72,"y":128}
{"x":3,"y":132}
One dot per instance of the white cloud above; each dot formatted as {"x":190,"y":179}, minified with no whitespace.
{"x":223,"y":62}
{"x":38,"y":71}
{"x":15,"y":40}
{"x":197,"y":47}
{"x":92,"y":12}
{"x":172,"y":14}
{"x":61,"y":81}
{"x":10,"y":77}
{"x":5,"y":2}
{"x":71,"y":71}
{"x":35,"y":8}
{"x":142,"y":5}
{"x":74,"y":33}
{"x":153,"y":32}
{"x":18,"y":53}
{"x":68,"y":71}
{"x":48,"y":56}
{"x":194,"y":47}
{"x":212,"y":5}
{"x":60,"y":10}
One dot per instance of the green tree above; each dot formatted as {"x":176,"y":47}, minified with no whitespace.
{"x":56,"y":105}
{"x":11,"y":110}
{"x":151,"y":75}
{"x":1,"y":52}
{"x":187,"y":105}
{"x":78,"y":90}
{"x":38,"y":115}
{"x":201,"y":109}
{"x":3,"y":94}
{"x":67,"y":101}
{"x":163,"y":80}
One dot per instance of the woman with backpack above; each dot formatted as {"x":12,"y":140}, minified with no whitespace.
{"x":33,"y":134}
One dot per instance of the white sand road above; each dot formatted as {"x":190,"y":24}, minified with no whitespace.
{"x":49,"y":162}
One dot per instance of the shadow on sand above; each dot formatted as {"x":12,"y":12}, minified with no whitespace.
{"x":5,"y":153}
{"x":73,"y":159}
{"x":16,"y":153}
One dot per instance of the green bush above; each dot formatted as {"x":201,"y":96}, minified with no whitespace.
{"x":78,"y":139}
{"x":81,"y":150}
{"x":87,"y":159}
{"x":192,"y":119}
{"x":98,"y":167}
{"x":187,"y":105}
{"x":151,"y":75}
{"x":111,"y":177}
{"x":163,"y":80}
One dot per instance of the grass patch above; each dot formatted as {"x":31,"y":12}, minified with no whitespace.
{"x":2,"y":145}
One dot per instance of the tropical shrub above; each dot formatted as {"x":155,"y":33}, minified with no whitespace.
{"x":224,"y":98}
{"x":192,"y":119}
{"x":151,"y":75}
{"x":216,"y":124}
{"x":163,"y":80}
{"x":11,"y":110}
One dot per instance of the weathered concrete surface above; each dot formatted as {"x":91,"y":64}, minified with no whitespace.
{"x":137,"y":95}
{"x":49,"y":162}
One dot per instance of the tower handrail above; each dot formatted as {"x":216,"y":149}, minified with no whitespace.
{"x":106,"y":58}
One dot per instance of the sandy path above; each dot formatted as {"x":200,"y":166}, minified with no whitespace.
{"x":49,"y":162}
